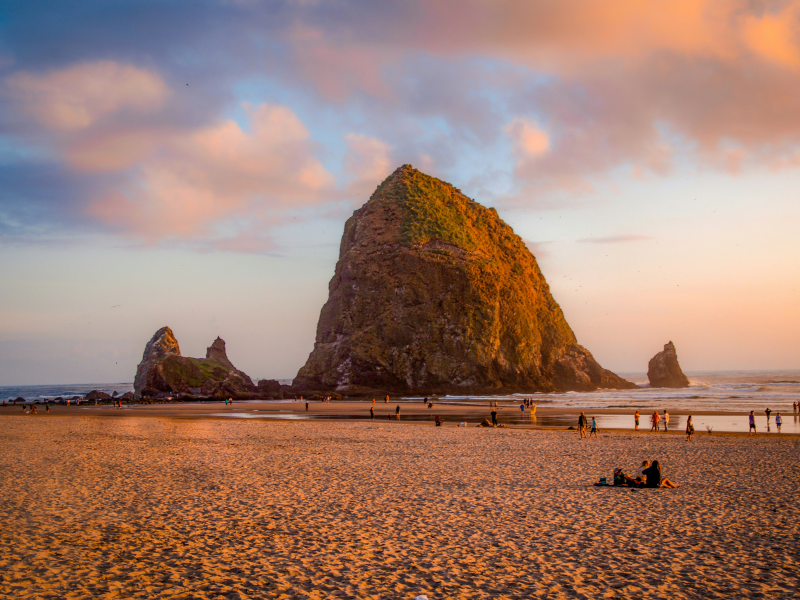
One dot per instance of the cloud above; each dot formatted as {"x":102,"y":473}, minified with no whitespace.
{"x":615,"y":239}
{"x":194,"y":181}
{"x":80,"y":95}
{"x":602,"y":86}
{"x":368,"y":160}
{"x":574,"y":92}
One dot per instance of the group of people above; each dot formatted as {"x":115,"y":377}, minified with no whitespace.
{"x":648,"y":476}
{"x":583,"y":423}
{"x":778,"y":419}
{"x":396,"y":411}
{"x":655,"y":419}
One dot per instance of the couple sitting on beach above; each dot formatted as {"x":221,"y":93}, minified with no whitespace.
{"x":648,"y":476}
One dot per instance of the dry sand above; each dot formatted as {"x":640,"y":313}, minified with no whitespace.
{"x":149,"y":507}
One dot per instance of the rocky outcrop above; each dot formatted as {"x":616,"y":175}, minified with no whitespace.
{"x":664,"y":371}
{"x":164,"y":370}
{"x":160,"y":346}
{"x":269,"y":386}
{"x":434,"y":293}
{"x":97,"y":395}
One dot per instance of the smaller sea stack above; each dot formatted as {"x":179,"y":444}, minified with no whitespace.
{"x":664,"y":371}
{"x":164,"y":371}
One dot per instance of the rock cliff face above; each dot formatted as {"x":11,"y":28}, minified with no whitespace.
{"x":663,"y":369}
{"x":433,"y":293}
{"x":164,"y":370}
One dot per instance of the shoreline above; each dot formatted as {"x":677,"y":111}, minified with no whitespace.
{"x":414,"y":413}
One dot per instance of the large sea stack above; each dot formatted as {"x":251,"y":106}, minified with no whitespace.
{"x":164,"y":371}
{"x":664,"y":371}
{"x":434,"y":293}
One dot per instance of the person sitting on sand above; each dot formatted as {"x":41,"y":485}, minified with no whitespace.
{"x":654,"y":479}
{"x":622,"y":480}
{"x":640,"y":476}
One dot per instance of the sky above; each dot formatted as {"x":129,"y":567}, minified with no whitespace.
{"x":192,"y":164}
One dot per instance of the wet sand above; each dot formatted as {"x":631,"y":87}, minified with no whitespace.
{"x":175,"y":507}
{"x":509,"y":414}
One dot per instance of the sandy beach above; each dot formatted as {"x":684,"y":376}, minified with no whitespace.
{"x":160,"y":506}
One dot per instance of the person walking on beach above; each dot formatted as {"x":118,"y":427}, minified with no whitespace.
{"x":306,"y":405}
{"x":666,"y":419}
{"x":768,"y":412}
{"x":386,"y":400}
{"x":582,"y":425}
{"x":396,"y":411}
{"x":689,"y":428}
{"x":494,"y":418}
{"x":372,"y":412}
{"x":636,"y":421}
{"x":778,"y":422}
{"x":752,"y":420}
{"x":594,"y":428}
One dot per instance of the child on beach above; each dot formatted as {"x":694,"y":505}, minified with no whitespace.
{"x":778,"y":422}
{"x":594,"y":428}
{"x":640,"y":476}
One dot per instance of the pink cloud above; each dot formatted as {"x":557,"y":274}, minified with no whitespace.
{"x":195,"y":180}
{"x":76,"y":97}
{"x":368,"y":161}
{"x":631,"y":83}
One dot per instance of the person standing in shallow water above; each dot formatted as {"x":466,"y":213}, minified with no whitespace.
{"x":778,"y":422}
{"x":666,"y":419}
{"x":396,"y":411}
{"x":689,"y":428}
{"x":636,"y":421}
{"x":752,"y":419}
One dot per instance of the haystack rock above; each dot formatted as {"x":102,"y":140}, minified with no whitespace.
{"x":664,"y":371}
{"x":434,"y":293}
{"x":164,"y":370}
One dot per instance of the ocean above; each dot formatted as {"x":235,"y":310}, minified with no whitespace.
{"x":728,"y":391}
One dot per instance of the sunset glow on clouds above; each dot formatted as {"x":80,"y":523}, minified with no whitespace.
{"x":253,"y":129}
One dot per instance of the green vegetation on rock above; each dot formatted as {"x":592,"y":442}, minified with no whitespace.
{"x":435,"y":293}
